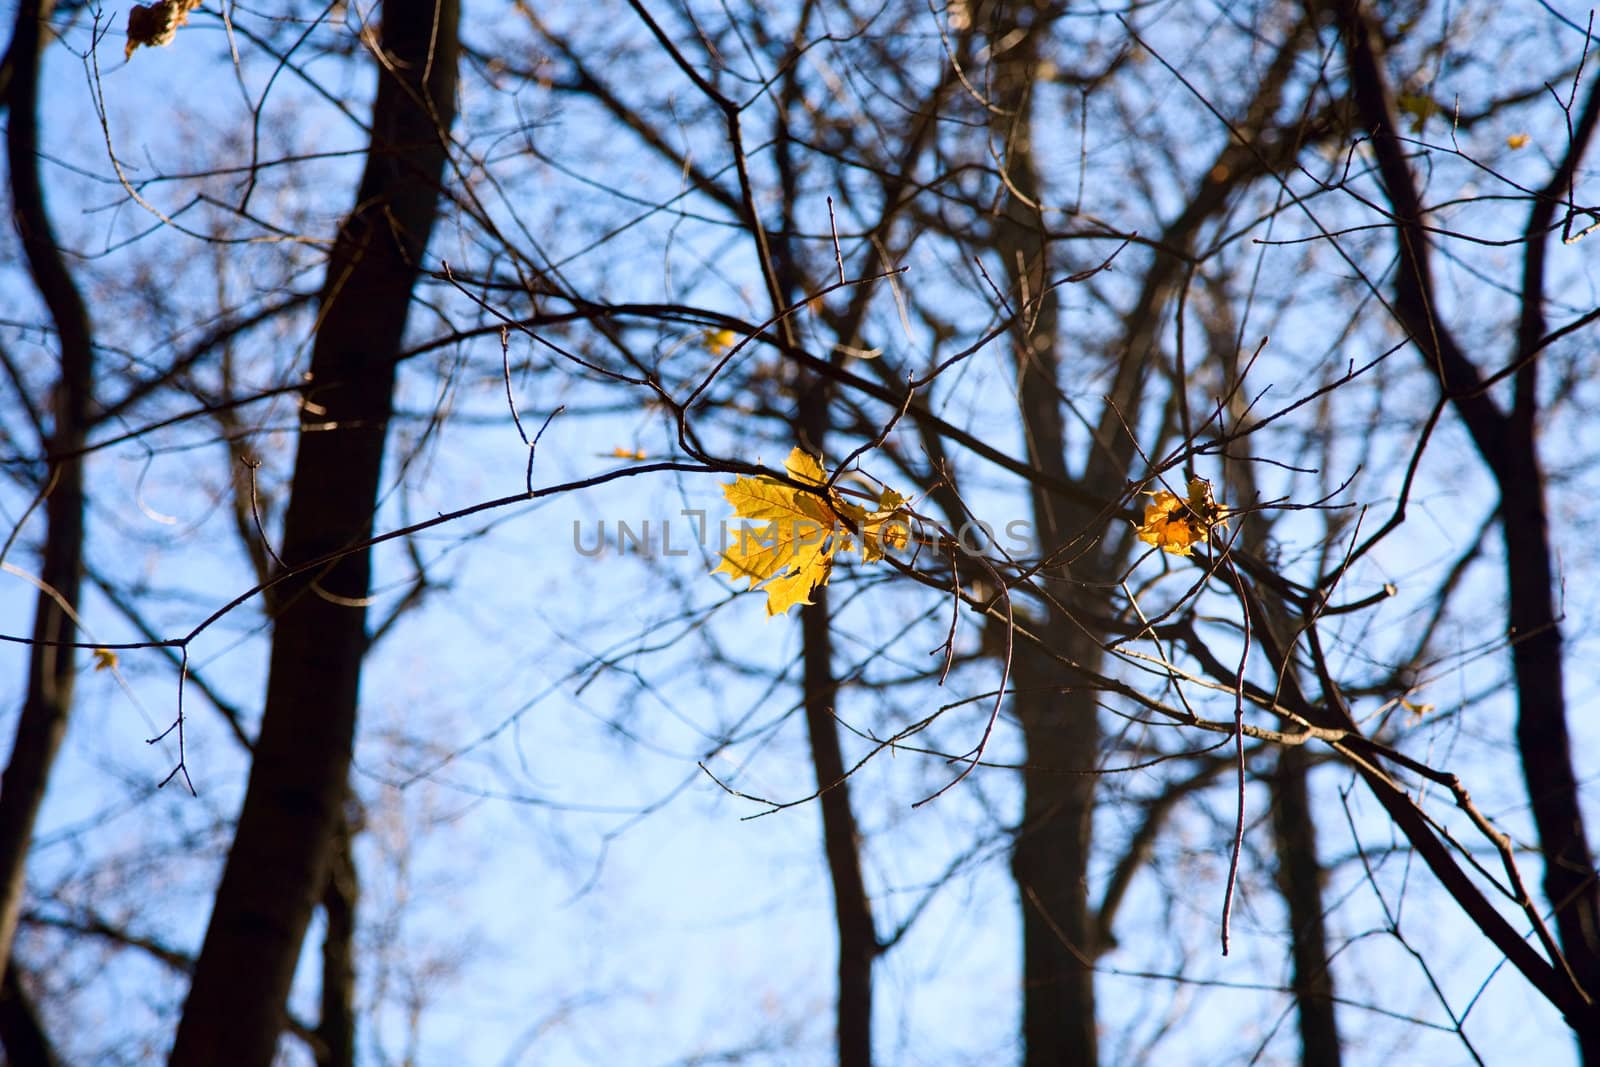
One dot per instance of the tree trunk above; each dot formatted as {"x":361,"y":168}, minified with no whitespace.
{"x":858,"y":936}
{"x":853,"y":919}
{"x":21,"y":1035}
{"x":1301,"y":876}
{"x":1056,"y":708}
{"x":51,"y":661}
{"x":1050,"y":862}
{"x":1543,"y":743}
{"x":337,"y":1026}
{"x":1509,"y":448}
{"x":278,"y":865}
{"x":1300,"y":881}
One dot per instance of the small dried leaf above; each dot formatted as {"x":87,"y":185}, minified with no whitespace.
{"x":155,"y":25}
{"x":1176,"y":525}
{"x":1417,"y":711}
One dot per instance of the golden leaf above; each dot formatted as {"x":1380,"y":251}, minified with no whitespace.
{"x":105,"y":659}
{"x":787,"y":558}
{"x":796,"y":587}
{"x":789,"y":537}
{"x":1516,"y":141}
{"x":719,"y":341}
{"x":804,"y":467}
{"x":1176,"y":525}
{"x":882,"y":528}
{"x":1417,"y":711}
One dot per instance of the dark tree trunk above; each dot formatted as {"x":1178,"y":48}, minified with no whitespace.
{"x":1050,"y":862}
{"x":1054,"y":704}
{"x":858,"y":936}
{"x":21,"y":1035}
{"x":1300,"y":881}
{"x":278,"y":865}
{"x":51,"y":662}
{"x":1543,"y":743}
{"x":336,"y":1029}
{"x":853,"y":919}
{"x":1056,"y":708}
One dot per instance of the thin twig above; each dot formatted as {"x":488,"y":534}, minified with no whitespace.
{"x":838,"y":257}
{"x":1238,"y":741}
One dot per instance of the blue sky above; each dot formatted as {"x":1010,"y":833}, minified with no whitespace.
{"x":548,"y":877}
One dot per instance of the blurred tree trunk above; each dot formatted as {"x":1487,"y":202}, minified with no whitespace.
{"x":278,"y":865}
{"x":51,"y":661}
{"x":841,"y":839}
{"x":1050,"y":862}
{"x":1054,"y":701}
{"x":858,"y":937}
{"x":336,"y":1028}
{"x":21,"y":1035}
{"x":1301,"y":876}
{"x":1300,"y":881}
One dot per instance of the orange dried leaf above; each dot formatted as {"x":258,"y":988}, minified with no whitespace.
{"x":1176,"y":525}
{"x":155,"y":25}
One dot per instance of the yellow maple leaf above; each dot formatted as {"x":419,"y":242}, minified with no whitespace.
{"x":786,"y":543}
{"x":812,"y":569}
{"x":1516,"y":141}
{"x":105,"y":659}
{"x":804,"y":467}
{"x":883,"y":528}
{"x":719,"y":341}
{"x":1176,"y":525}
{"x":774,"y":501}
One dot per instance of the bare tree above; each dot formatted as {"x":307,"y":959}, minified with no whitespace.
{"x":284,"y":848}
{"x":52,"y":664}
{"x":1015,"y":261}
{"x":1507,"y":441}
